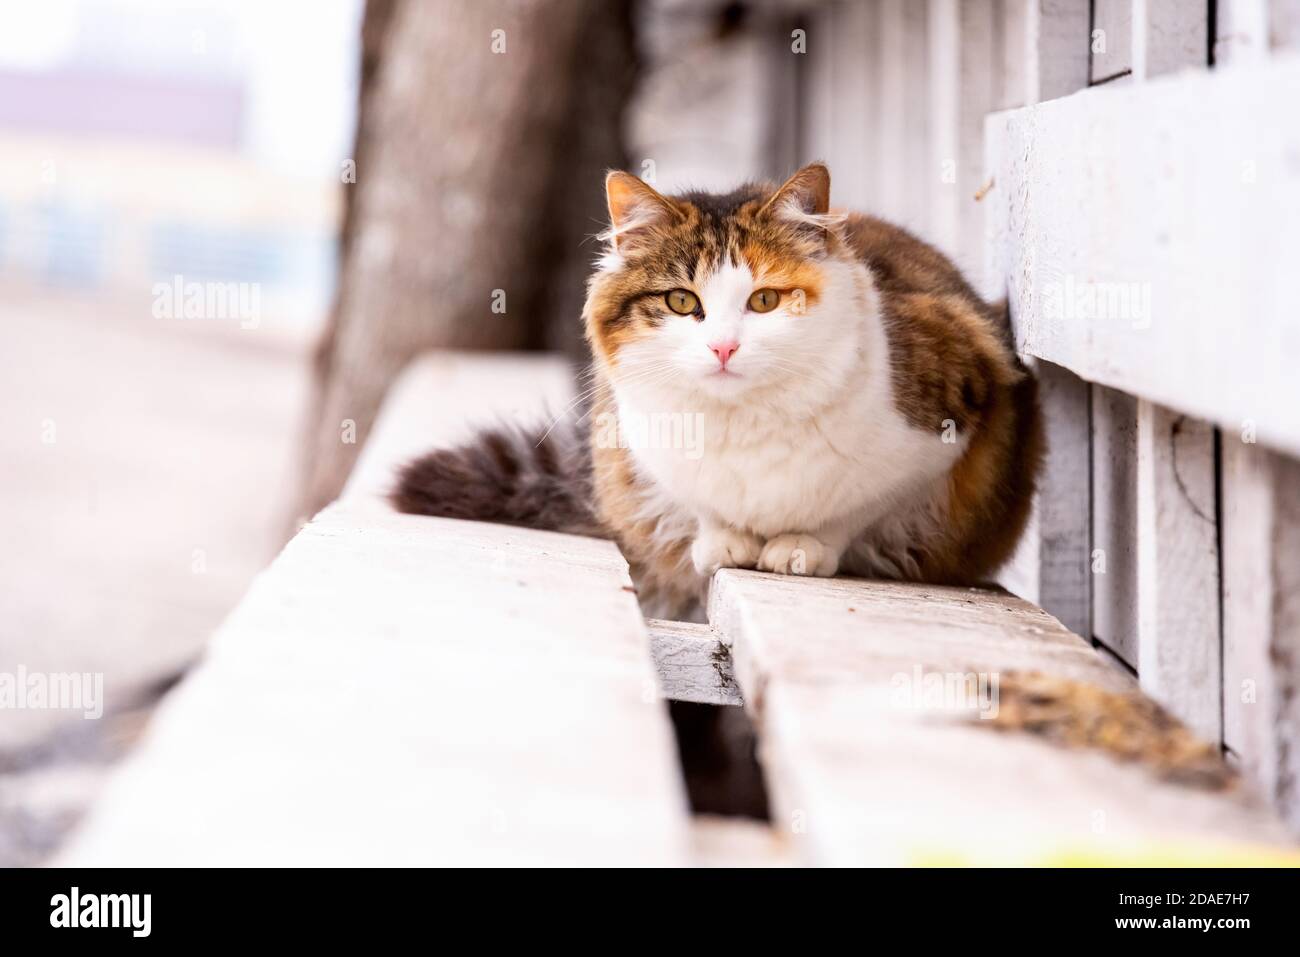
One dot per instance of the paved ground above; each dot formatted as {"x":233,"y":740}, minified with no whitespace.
{"x":146,"y":471}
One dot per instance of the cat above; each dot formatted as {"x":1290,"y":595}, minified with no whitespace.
{"x":778,"y":387}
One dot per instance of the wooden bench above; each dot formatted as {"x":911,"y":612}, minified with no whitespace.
{"x":405,"y":690}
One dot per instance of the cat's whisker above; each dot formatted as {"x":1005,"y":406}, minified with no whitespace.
{"x":568,"y":407}
{"x":662,"y":370}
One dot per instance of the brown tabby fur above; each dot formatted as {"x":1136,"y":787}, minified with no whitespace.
{"x":951,"y":358}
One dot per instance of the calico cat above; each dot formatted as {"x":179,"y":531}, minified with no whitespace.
{"x":775,"y":387}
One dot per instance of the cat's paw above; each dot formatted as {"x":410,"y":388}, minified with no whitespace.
{"x":724,"y":548}
{"x":796,"y":554}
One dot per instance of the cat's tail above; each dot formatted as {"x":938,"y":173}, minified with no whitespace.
{"x":535,"y":477}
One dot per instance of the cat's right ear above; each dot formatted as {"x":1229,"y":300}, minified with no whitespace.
{"x":633,"y":206}
{"x":805,"y":196}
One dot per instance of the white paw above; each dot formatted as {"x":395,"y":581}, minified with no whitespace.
{"x":798,"y":555}
{"x":724,"y":548}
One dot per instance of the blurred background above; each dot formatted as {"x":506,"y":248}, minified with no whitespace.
{"x":147,"y":457}
{"x":224,"y":228}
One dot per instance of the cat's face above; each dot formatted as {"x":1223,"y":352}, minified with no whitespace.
{"x":717,"y":297}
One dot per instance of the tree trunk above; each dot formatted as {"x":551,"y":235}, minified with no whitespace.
{"x":483,"y":131}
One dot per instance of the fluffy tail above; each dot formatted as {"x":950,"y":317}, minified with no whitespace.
{"x":510,"y":475}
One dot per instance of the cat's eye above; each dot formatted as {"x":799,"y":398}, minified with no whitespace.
{"x":764,"y":300}
{"x":682,"y":301}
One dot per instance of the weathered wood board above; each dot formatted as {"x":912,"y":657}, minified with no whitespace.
{"x":1044,"y":55}
{"x":1168,"y":35}
{"x":692,"y":663}
{"x":1111,"y":41}
{"x":1179,"y":649}
{"x":906,"y":175}
{"x":1241,"y":31}
{"x":1155,"y":562}
{"x":1115,"y":522}
{"x":404,"y":690}
{"x":964,"y":84}
{"x":1116,"y":203}
{"x":843,"y":81}
{"x":1053,"y":565}
{"x":862,"y":771}
{"x":1261,"y":617}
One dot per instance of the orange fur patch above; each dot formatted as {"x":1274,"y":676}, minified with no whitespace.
{"x":774,"y":269}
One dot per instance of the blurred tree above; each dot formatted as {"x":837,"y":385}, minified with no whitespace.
{"x":484,"y":130}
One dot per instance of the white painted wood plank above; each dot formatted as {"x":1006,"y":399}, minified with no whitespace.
{"x":1045,"y":54}
{"x":979,"y":95}
{"x":784,"y":72}
{"x":819,"y":100}
{"x":859,"y":774}
{"x":1261,"y":616}
{"x":1167,"y":596}
{"x":1284,"y":24}
{"x":1241,"y":32}
{"x":967,"y":50}
{"x":943,"y":29}
{"x":1176,"y":536}
{"x":1111,"y":45}
{"x":887,"y":125}
{"x":845,"y":629}
{"x":1249,"y":697}
{"x":906,"y":178}
{"x":842,"y":48}
{"x":692,"y":663}
{"x":1156,"y":587}
{"x":1046,"y":50}
{"x":1115,"y":522}
{"x":1062,"y":532}
{"x":1146,"y":234}
{"x":1014,"y":20}
{"x":406,"y":690}
{"x":1147,"y":38}
{"x":1169,"y":35}
{"x":859,"y":103}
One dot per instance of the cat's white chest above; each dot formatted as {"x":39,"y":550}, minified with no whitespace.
{"x":771,"y":476}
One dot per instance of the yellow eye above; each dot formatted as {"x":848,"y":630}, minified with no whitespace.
{"x":764,"y":300}
{"x":682,"y":301}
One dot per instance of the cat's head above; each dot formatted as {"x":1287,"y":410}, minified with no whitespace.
{"x":716,"y":297}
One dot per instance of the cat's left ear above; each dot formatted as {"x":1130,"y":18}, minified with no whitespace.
{"x":804,"y":195}
{"x":633,"y":205}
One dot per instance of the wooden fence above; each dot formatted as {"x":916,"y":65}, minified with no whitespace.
{"x":1127,"y":172}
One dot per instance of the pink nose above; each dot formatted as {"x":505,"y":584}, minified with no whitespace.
{"x":724,"y":350}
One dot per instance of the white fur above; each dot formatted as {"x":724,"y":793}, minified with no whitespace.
{"x":804,"y":439}
{"x":793,"y":211}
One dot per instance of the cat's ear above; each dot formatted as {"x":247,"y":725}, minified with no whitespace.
{"x":633,"y":205}
{"x":805,"y":195}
